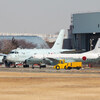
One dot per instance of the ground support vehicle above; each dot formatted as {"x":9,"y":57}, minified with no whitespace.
{"x":69,"y":65}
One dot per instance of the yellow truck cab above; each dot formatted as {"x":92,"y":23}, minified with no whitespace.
{"x":69,"y":65}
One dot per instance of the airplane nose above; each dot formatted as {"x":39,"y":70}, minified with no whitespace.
{"x":8,"y":58}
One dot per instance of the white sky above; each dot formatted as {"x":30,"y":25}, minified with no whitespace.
{"x":41,"y":16}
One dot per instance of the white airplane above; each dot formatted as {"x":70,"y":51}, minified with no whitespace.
{"x":52,"y":59}
{"x":20,"y":55}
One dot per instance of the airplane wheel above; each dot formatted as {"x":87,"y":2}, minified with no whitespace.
{"x":42,"y":66}
{"x":32,"y":66}
{"x":14,"y":66}
{"x":57,"y":67}
{"x":7,"y":64}
{"x":25,"y":66}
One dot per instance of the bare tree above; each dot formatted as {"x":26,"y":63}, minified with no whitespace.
{"x":24,"y":44}
{"x":7,"y":45}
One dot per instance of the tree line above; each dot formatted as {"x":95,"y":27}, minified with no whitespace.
{"x":7,"y":45}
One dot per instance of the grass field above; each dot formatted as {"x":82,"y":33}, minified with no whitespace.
{"x":49,"y":86}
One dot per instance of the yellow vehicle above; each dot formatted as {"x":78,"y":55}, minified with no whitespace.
{"x":69,"y":65}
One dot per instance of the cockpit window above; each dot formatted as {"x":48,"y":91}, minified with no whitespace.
{"x":16,"y":52}
{"x":13,"y":52}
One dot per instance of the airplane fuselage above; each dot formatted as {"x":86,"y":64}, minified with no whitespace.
{"x":21,"y":55}
{"x":83,"y":57}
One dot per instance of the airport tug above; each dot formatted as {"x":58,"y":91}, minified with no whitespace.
{"x":69,"y":65}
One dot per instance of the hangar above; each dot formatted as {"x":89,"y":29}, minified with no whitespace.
{"x":85,"y":30}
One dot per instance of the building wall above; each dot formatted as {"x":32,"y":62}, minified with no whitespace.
{"x":85,"y":28}
{"x":86,"y":22}
{"x":67,"y":44}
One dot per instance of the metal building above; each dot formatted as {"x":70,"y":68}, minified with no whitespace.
{"x":85,"y":29}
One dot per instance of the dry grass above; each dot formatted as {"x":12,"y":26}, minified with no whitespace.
{"x":49,"y":86}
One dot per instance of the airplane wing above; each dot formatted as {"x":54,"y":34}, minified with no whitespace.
{"x":70,"y":60}
{"x":1,"y":54}
{"x":51,"y":61}
{"x":54,"y":61}
{"x":46,"y":60}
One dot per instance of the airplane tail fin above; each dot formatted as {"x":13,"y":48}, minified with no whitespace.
{"x":97,"y":46}
{"x":59,"y":42}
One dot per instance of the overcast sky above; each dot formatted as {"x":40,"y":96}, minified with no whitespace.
{"x":41,"y":16}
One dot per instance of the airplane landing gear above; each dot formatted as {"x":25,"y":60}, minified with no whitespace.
{"x":14,"y":66}
{"x":25,"y":66}
{"x":42,"y":66}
